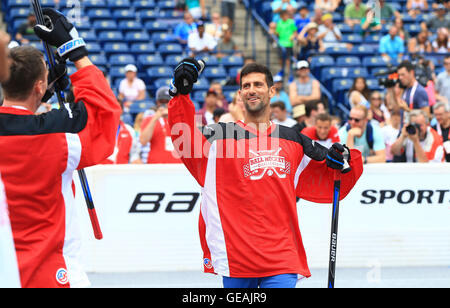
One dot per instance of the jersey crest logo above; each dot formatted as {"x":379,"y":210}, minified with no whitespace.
{"x":207,"y":263}
{"x":61,"y":276}
{"x":266,"y":161}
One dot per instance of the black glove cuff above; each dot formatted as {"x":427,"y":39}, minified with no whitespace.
{"x":77,"y":54}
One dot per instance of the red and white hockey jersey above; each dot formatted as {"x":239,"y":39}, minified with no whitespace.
{"x":40,"y":154}
{"x":250,"y":179}
{"x":333,"y":135}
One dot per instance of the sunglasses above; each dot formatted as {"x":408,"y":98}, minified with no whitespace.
{"x":354,"y":119}
{"x":376,"y":98}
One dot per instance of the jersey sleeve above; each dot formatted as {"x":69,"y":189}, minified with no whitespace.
{"x":190,"y":142}
{"x":315,"y":179}
{"x":98,"y":137}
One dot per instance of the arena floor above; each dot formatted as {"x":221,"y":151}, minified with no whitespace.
{"x":407,"y":277}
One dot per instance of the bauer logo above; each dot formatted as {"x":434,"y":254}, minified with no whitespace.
{"x":207,"y":263}
{"x":70,"y":45}
{"x":61,"y":276}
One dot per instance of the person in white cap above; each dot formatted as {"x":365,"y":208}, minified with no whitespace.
{"x":304,"y":88}
{"x":131,"y":88}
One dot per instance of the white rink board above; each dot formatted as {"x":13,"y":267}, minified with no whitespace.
{"x":397,"y":231}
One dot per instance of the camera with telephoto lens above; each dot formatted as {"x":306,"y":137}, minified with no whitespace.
{"x":413,"y":128}
{"x":392,"y":77}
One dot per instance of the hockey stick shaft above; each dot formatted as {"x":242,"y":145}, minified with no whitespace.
{"x":334,"y":229}
{"x":81,"y":174}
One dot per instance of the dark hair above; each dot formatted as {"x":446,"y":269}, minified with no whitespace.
{"x":365,"y":92}
{"x":323,"y":117}
{"x":278,"y":104}
{"x":406,"y":64}
{"x":311,"y":105}
{"x":27,"y":67}
{"x":256,"y":68}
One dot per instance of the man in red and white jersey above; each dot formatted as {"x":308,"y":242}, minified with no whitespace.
{"x":42,"y":152}
{"x":322,"y":131}
{"x":250,"y":172}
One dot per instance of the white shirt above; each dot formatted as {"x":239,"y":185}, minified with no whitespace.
{"x":198,"y":44}
{"x":289,"y":122}
{"x":131,"y":92}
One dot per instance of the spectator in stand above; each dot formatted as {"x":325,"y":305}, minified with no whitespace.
{"x":201,"y":42}
{"x":304,"y":87}
{"x":421,"y":144}
{"x":157,"y":147}
{"x":387,"y":12}
{"x":391,"y":45}
{"x":185,"y":28}
{"x":236,"y":110}
{"x":330,"y":34}
{"x":416,"y":7}
{"x":131,"y":88}
{"x":217,"y":114}
{"x":354,"y":12}
{"x":443,"y":83}
{"x":336,"y":121}
{"x":440,"y":20}
{"x":227,"y":46}
{"x":302,"y":18}
{"x":309,"y":41}
{"x":359,"y":93}
{"x":196,"y":8}
{"x":286,"y":32}
{"x":442,"y":114}
{"x":299,"y":115}
{"x":441,"y":44}
{"x":420,"y":43}
{"x":404,"y":35}
{"x":312,"y":109}
{"x":277,"y":7}
{"x":280,"y":94}
{"x":378,"y":113}
{"x":411,"y":95}
{"x":326,"y":6}
{"x":323,"y":131}
{"x":127,"y":148}
{"x":222,"y":101}
{"x":280,"y":115}
{"x":215,"y":27}
{"x":370,"y":23}
{"x":317,"y":17}
{"x":205,"y":116}
{"x":360,"y":134}
{"x":390,"y":133}
{"x":227,"y":10}
{"x":25,"y":30}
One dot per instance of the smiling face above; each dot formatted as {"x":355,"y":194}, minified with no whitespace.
{"x":255,"y":93}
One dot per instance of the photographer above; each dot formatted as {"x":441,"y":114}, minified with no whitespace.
{"x":414,"y":95}
{"x":418,"y":142}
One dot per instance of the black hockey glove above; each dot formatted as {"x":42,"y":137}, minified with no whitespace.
{"x":57,"y":78}
{"x":338,"y":157}
{"x":60,"y":33}
{"x":185,"y":75}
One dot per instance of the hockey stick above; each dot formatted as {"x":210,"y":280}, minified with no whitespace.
{"x":334,"y":228}
{"x":61,"y":100}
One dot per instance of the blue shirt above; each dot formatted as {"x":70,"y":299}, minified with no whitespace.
{"x":283,"y":97}
{"x":391,"y":47}
{"x":361,"y":142}
{"x":183,"y":30}
{"x":300,"y":23}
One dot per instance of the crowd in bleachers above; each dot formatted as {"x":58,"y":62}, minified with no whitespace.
{"x":334,"y":46}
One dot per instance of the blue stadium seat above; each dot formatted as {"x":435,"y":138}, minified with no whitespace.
{"x":93,"y":47}
{"x":118,"y":4}
{"x":94,"y":4}
{"x":99,"y":13}
{"x":115,"y":48}
{"x":110,"y":36}
{"x":215,"y":73}
{"x":130,"y":25}
{"x":88,"y":36}
{"x":98,"y":59}
{"x":161,"y":82}
{"x":372,"y":84}
{"x":142,"y":48}
{"x":348,"y":61}
{"x":121,"y":59}
{"x":202,"y":84}
{"x":336,"y":51}
{"x":144,"y":4}
{"x":330,"y":73}
{"x":155,"y":26}
{"x":158,"y":72}
{"x":373,"y":61}
{"x":318,"y":62}
{"x":173,"y":60}
{"x":17,"y":13}
{"x":52,"y":3}
{"x":104,"y":25}
{"x":373,"y":39}
{"x":147,"y":60}
{"x":412,"y":29}
{"x":163,"y":37}
{"x":339,"y":86}
{"x":211,"y":60}
{"x":230,"y":61}
{"x":124,"y":15}
{"x":357,"y":72}
{"x":116,"y":73}
{"x":166,"y":5}
{"x":352,"y":38}
{"x":169,"y":49}
{"x":135,"y":37}
{"x":171,"y":14}
{"x":141,"y":106}
{"x":18,"y":4}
